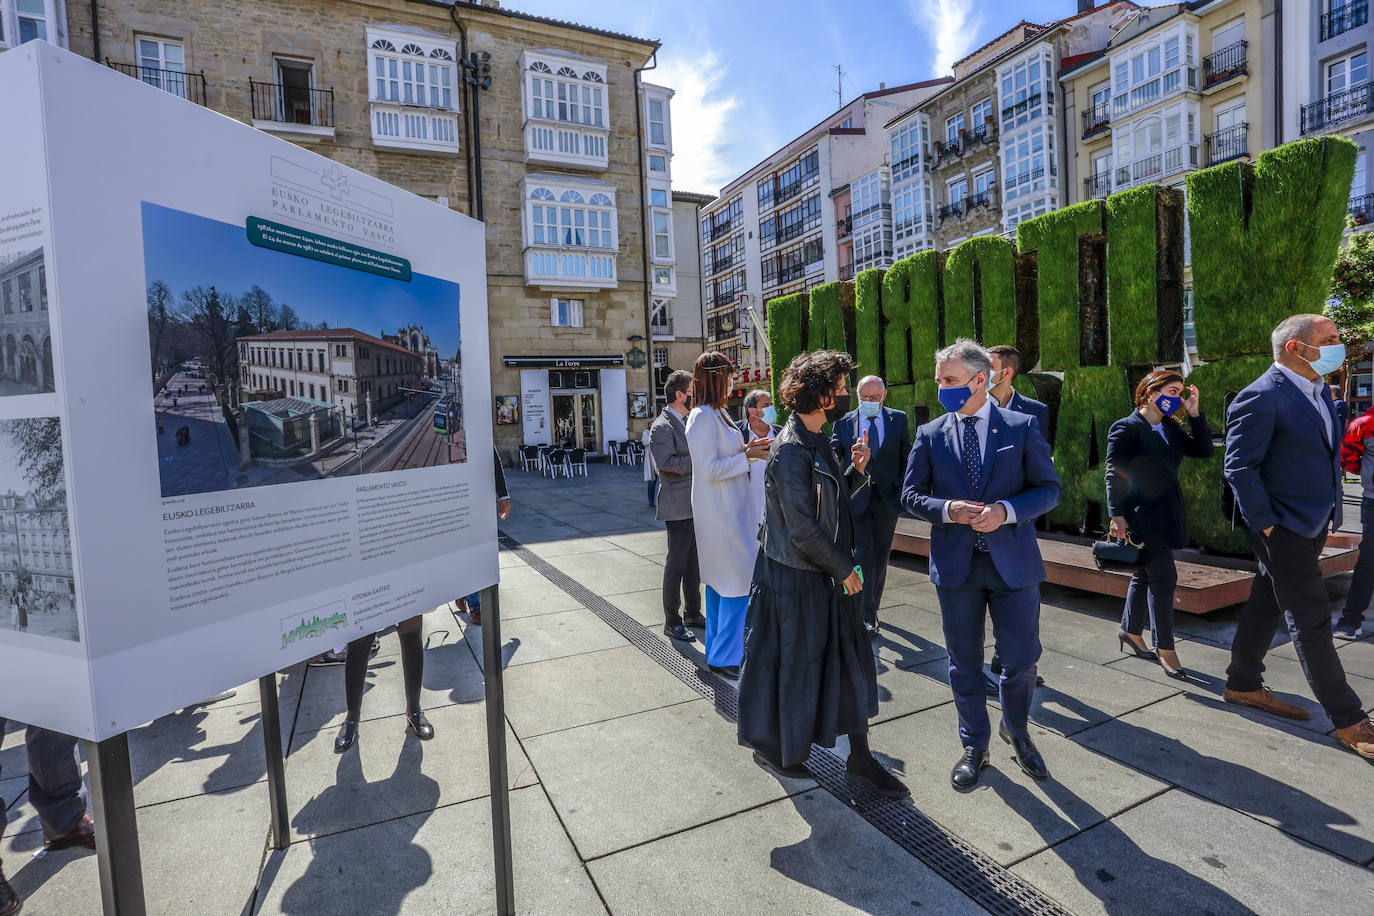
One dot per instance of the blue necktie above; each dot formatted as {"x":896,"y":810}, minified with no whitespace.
{"x":873,"y":433}
{"x":973,"y":466}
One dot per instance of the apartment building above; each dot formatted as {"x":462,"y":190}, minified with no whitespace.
{"x":679,"y":323}
{"x":778,"y":228}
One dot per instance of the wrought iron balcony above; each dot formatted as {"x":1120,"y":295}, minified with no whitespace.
{"x":727,"y":298}
{"x":983,"y":133}
{"x":1097,"y":119}
{"x":1097,"y":186}
{"x":1345,"y":105}
{"x":954,"y":209}
{"x":1362,"y":209}
{"x":980,"y":199}
{"x":1224,"y":64}
{"x":789,"y":272}
{"x":844,"y":227}
{"x":1344,"y":18}
{"x":847,"y":271}
{"x":294,"y":105}
{"x":1153,"y":168}
{"x":721,"y":262}
{"x":947,"y":149}
{"x":721,"y":230}
{"x":189,"y":86}
{"x":1227,"y":144}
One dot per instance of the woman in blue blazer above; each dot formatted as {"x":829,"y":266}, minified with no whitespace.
{"x":1144,"y":451}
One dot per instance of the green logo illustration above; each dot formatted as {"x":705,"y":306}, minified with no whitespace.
{"x":315,"y":626}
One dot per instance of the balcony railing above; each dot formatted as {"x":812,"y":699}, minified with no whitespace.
{"x":984,"y":133}
{"x":947,"y":149}
{"x":406,"y":127}
{"x":847,"y":271}
{"x":1362,"y":209}
{"x":1344,"y":18}
{"x":786,"y":192}
{"x":561,"y":269}
{"x":789,"y":272}
{"x":788,"y":232}
{"x":555,"y":143}
{"x":1153,"y":168}
{"x":724,"y":262}
{"x":1097,"y":119}
{"x":844,"y":227}
{"x":1222,"y":65}
{"x":1097,"y":186}
{"x":723,"y":299}
{"x":293,"y":105}
{"x":954,"y":209}
{"x":1025,"y":104}
{"x":1337,"y":107}
{"x":980,"y":199}
{"x":189,"y":86}
{"x":721,"y":230}
{"x":1227,"y":144}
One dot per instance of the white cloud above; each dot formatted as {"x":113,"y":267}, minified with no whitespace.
{"x":953,"y":25}
{"x":701,"y":117}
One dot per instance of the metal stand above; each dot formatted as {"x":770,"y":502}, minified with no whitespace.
{"x":116,"y":827}
{"x":496,"y":749}
{"x":276,"y":763}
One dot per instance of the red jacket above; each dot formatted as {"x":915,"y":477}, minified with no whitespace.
{"x":1352,"y":447}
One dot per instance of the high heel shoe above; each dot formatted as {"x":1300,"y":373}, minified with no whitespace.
{"x":1179,"y":674}
{"x":348,"y":733}
{"x":1130,"y":648}
{"x":417,"y":721}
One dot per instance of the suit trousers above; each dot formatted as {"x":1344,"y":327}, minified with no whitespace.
{"x":55,"y":787}
{"x":1290,"y":588}
{"x":873,"y":532}
{"x":681,"y":576}
{"x":1016,"y":624}
{"x":1151,"y":593}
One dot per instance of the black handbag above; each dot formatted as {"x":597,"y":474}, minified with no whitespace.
{"x":1112,"y":555}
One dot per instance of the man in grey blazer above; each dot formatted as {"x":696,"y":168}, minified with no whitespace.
{"x":668,"y":445}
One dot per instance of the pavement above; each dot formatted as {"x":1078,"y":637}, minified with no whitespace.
{"x":630,"y":794}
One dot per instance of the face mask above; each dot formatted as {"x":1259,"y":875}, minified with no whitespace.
{"x":770,"y":415}
{"x":838,"y":409}
{"x":997,"y":379}
{"x":870,"y":409}
{"x":1331,"y":358}
{"x":1168,"y":405}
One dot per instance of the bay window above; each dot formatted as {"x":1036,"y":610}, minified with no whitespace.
{"x":412,"y":91}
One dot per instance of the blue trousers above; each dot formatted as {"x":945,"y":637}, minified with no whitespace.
{"x":55,"y":787}
{"x":724,"y":628}
{"x":1151,"y":593}
{"x":1362,"y":582}
{"x":1016,"y":623}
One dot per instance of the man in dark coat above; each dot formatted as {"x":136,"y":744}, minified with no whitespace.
{"x":668,"y":444}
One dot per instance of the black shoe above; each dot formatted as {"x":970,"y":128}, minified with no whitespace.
{"x":1039,"y":681}
{"x":775,"y":766}
{"x":10,"y":903}
{"x":726,"y":671}
{"x":679,"y":632}
{"x":992,"y":685}
{"x":1027,"y":757}
{"x":870,"y":774}
{"x":696,"y":621}
{"x":1130,"y":648}
{"x":332,"y":657}
{"x":417,"y":721}
{"x":872,"y":629}
{"x":348,"y":733}
{"x":965,"y":772}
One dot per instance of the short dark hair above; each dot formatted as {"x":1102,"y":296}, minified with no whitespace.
{"x":752,"y":398}
{"x":711,"y":379}
{"x":1010,"y":357}
{"x":812,"y":376}
{"x":1153,"y":382}
{"x":680,"y":380}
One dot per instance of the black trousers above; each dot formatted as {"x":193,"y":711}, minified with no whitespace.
{"x":1151,"y":595}
{"x":1289,"y":587}
{"x":681,"y":576}
{"x":873,"y":532}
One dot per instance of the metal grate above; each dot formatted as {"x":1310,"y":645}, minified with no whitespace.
{"x":980,"y":878}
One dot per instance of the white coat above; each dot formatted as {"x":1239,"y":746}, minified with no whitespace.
{"x":723,"y":498}
{"x":650,"y":472}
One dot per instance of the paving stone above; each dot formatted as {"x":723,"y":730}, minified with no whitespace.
{"x":1181,"y":854}
{"x":1079,"y":694}
{"x":11,"y":789}
{"x":216,"y":838}
{"x":918,"y":594}
{"x":824,"y":858}
{"x":390,"y":773}
{"x":535,"y":639}
{"x":629,"y":780}
{"x":641,"y":543}
{"x":198,"y":750}
{"x":614,"y":573}
{"x":645,"y":605}
{"x":436,"y":862}
{"x":1008,"y":815}
{"x":904,"y":691}
{"x":1303,"y":783}
{"x":909,"y":636}
{"x":561,"y":541}
{"x":566,"y":692}
{"x":534,"y":600}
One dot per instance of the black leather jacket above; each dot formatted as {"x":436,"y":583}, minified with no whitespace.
{"x":807,"y":522}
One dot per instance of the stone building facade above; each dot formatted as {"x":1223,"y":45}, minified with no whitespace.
{"x":25,"y":335}
{"x":379,"y":86}
{"x":35,"y":539}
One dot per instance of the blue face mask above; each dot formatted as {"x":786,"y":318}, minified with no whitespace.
{"x":870,"y":409}
{"x":951,"y":399}
{"x":1331,"y":357}
{"x":770,"y":415}
{"x":1168,"y":405}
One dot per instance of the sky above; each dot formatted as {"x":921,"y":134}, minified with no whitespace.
{"x":184,"y":250}
{"x":752,"y":75}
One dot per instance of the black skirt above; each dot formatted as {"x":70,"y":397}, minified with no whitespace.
{"x":808,"y":673}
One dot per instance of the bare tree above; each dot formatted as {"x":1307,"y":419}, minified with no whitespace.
{"x":203,"y":310}
{"x":159,"y":315}
{"x":262,"y":309}
{"x":287,"y":319}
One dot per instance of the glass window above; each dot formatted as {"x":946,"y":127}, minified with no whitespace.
{"x":1357,"y":186}
{"x":33,"y":19}
{"x":658,"y":164}
{"x":656,"y":121}
{"x":566,"y":313}
{"x":957,"y":190}
{"x":663,"y":276}
{"x":162,"y":64}
{"x":953,"y":126}
{"x":414,"y":75}
{"x":662,"y":243}
{"x":981,"y":114}
{"x":658,"y":197}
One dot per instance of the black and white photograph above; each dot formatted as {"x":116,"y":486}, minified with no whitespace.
{"x":25,"y":336}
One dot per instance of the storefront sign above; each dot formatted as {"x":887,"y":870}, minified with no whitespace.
{"x":562,"y":362}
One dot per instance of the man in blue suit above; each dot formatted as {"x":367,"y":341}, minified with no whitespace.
{"x":876,"y":506}
{"x":1283,"y":443}
{"x":981,"y":476}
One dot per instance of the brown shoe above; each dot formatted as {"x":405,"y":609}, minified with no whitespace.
{"x":1264,"y":699}
{"x":83,"y":836}
{"x":1358,"y":737}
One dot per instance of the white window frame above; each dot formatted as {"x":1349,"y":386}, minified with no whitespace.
{"x":580,"y":94}
{"x":953,"y":125}
{"x":578,"y":210}
{"x":1238,"y":22}
{"x":666,"y":235}
{"x":561,"y":307}
{"x":663,"y":122}
{"x":962,"y":184}
{"x":163,"y":80}
{"x":985,"y":107}
{"x":399,"y":53}
{"x":51,"y":19}
{"x":1345,"y":61}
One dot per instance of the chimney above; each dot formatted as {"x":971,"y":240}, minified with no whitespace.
{"x":1085,"y":5}
{"x":882,"y":86}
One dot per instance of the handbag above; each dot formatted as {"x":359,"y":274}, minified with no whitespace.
{"x":1113,"y":555}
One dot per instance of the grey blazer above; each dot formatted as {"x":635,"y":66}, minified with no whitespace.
{"x":668,"y":445}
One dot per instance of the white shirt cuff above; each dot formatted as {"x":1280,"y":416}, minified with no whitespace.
{"x":1011,"y":513}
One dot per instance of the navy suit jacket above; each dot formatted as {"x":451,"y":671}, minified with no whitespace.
{"x":887,"y":463}
{"x":1038,"y":409}
{"x":1281,"y":467}
{"x":1016,"y":468}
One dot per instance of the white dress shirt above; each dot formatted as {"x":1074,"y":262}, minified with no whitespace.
{"x":984,"y":415}
{"x":1310,"y":388}
{"x":1159,"y":428}
{"x":881,"y":427}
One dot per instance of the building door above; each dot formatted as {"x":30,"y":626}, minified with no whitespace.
{"x":576,"y":420}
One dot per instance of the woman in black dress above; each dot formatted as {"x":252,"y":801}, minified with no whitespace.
{"x":412,"y":670}
{"x":808,"y":673}
{"x":1144,"y":451}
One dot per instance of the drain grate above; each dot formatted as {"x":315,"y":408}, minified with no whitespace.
{"x":980,"y":878}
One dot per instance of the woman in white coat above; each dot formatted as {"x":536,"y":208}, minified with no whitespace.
{"x":723,"y":512}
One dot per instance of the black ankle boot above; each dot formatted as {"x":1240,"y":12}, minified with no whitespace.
{"x":865,"y":770}
{"x":348,"y":733}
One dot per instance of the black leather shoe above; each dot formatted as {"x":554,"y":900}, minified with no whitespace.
{"x":1027,"y":756}
{"x":10,"y":904}
{"x":992,"y":685}
{"x":348,"y":733}
{"x":417,"y":721}
{"x":695,"y":621}
{"x":872,"y":629}
{"x":965,"y":772}
{"x":868,"y":773}
{"x":774,"y":765}
{"x":679,"y":632}
{"x":728,"y":671}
